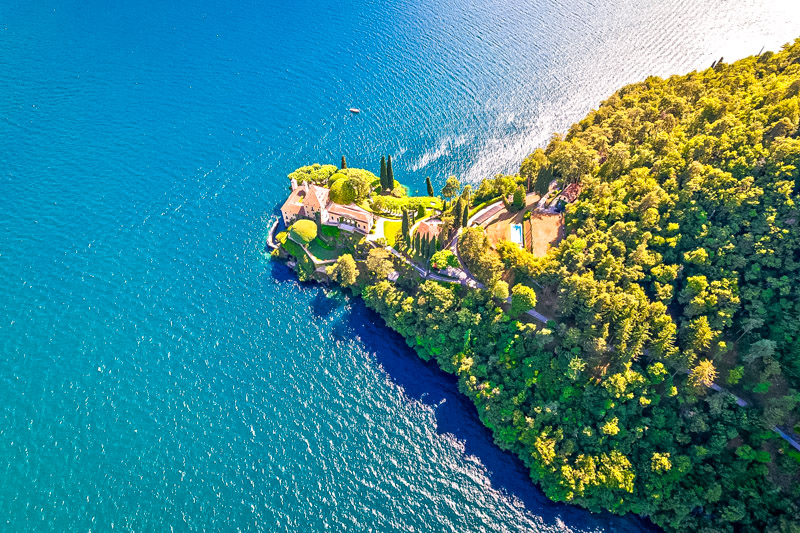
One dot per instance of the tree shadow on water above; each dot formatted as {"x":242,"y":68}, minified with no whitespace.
{"x":456,"y":414}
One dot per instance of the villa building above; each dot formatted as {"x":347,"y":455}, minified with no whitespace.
{"x":569,"y":195}
{"x":307,"y":199}
{"x":429,"y":229}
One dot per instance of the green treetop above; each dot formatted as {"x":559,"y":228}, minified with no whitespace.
{"x":344,"y":271}
{"x":523,"y":299}
{"x":451,"y":188}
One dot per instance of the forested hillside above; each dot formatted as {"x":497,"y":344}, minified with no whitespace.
{"x":683,"y":250}
{"x":680,"y":269}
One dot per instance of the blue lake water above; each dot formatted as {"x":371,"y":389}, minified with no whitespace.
{"x":157,"y":373}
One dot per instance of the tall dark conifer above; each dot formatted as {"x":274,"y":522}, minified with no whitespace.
{"x":406,"y":228}
{"x":389,"y":174}
{"x":465,"y":218}
{"x":429,"y":185}
{"x":383,"y":173}
{"x":344,"y":163}
{"x":457,"y":210}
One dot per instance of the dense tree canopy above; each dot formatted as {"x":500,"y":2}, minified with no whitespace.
{"x":379,"y":263}
{"x":683,"y":250}
{"x":343,"y":192}
{"x":344,"y":270}
{"x":680,"y":269}
{"x":474,"y":249}
{"x":316,"y":173}
{"x":361,"y":180}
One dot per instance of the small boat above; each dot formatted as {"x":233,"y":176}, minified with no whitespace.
{"x":355,"y":110}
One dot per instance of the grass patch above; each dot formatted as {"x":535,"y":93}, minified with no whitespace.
{"x":324,"y":244}
{"x":303,"y":260}
{"x":390,"y":230}
{"x":330,"y":231}
{"x":322,"y":251}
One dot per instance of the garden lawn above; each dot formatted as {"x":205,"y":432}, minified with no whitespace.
{"x":390,"y":230}
{"x":322,"y":251}
{"x":330,"y":231}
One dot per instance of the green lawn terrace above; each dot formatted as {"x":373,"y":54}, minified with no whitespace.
{"x":315,"y":248}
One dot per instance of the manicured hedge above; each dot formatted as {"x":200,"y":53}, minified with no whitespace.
{"x":303,"y":231}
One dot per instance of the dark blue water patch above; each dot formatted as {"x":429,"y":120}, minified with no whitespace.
{"x":456,"y":415}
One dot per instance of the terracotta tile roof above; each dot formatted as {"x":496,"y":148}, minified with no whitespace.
{"x":428,"y":229}
{"x":294,"y":204}
{"x":305,"y":197}
{"x":571,"y":193}
{"x":350,"y":211}
{"x":317,"y":197}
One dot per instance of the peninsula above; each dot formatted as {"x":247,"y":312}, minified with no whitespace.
{"x":624,"y":311}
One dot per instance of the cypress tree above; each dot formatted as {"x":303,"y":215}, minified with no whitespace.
{"x":429,"y":185}
{"x":389,"y":174}
{"x":457,"y":210}
{"x":465,"y":219}
{"x":383,"y":174}
{"x":417,"y":242}
{"x":519,"y":198}
{"x":344,"y":163}
{"x":406,"y":227}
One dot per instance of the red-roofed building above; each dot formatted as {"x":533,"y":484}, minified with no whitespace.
{"x":428,"y":229}
{"x":571,"y":193}
{"x":307,"y":199}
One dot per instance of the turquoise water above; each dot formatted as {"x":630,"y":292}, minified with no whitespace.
{"x":157,"y":373}
{"x":516,"y":233}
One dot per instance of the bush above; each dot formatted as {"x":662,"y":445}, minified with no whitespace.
{"x":443,"y":259}
{"x":523,"y":299}
{"x":303,"y":231}
{"x":499,"y":290}
{"x":343,"y":192}
{"x":519,"y":198}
